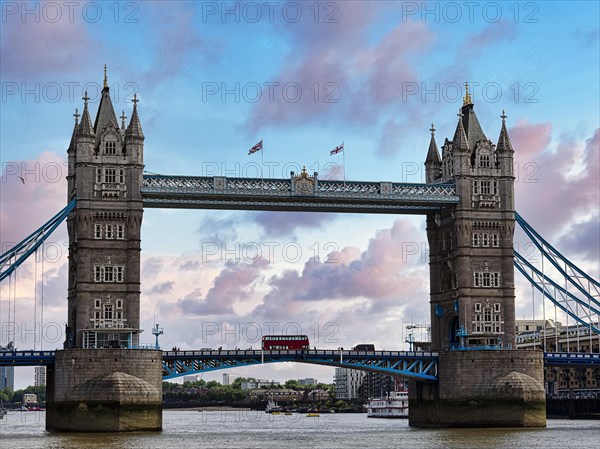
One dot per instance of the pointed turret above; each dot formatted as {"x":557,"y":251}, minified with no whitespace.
{"x":134,"y":130}
{"x":85,"y":127}
{"x":470,"y":122}
{"x":504,"y":145}
{"x":459,"y":141}
{"x":433,"y":163}
{"x":73,"y":143}
{"x":106,"y":114}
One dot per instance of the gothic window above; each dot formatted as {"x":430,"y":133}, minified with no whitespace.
{"x":98,"y":175}
{"x":497,"y":307}
{"x":96,"y":303}
{"x":122,"y":176}
{"x":97,"y":273}
{"x":109,"y":273}
{"x":119,"y":274}
{"x":495,"y":187}
{"x":97,"y":231}
{"x":484,"y":160}
{"x":119,"y":303}
{"x":495,"y":240}
{"x":475,"y":187}
{"x":108,"y":312}
{"x":475,"y":239}
{"x":97,"y":315}
{"x":120,"y":231}
{"x":119,"y":315}
{"x":485,"y":187}
{"x":486,"y":279}
{"x":477,"y":307}
{"x":108,"y":231}
{"x":485,"y":239}
{"x":110,"y":175}
{"x":110,"y":148}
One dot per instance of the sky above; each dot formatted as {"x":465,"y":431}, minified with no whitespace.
{"x":214,"y":78}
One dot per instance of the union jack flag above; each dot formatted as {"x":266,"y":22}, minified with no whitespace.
{"x":337,"y":150}
{"x":256,"y":147}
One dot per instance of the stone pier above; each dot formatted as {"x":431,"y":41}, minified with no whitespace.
{"x":105,"y":390}
{"x":482,"y":389}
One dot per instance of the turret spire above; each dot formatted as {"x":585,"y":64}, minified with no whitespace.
{"x":73,"y":143}
{"x":134,"y":130}
{"x":467,"y":100}
{"x":504,"y":145}
{"x":433,"y":154}
{"x":460,"y":142}
{"x":105,"y":78}
{"x":85,"y":127}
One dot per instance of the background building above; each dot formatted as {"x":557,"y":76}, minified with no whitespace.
{"x":308,"y":381}
{"x":347,"y":383}
{"x":7,"y":373}
{"x":39,"y":379}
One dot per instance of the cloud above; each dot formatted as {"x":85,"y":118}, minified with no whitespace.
{"x":500,"y":31}
{"x":567,"y":212}
{"x":31,"y":49}
{"x":161,"y":288}
{"x":234,"y":284}
{"x":357,"y":81}
{"x":277,"y":224}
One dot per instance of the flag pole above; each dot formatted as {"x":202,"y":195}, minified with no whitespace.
{"x":344,"y":162}
{"x":262,"y":164}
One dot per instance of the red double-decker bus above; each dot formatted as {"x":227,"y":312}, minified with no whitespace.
{"x":285,"y":342}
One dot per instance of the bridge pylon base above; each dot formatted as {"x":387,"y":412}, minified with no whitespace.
{"x":104,"y":390}
{"x":502,"y":388}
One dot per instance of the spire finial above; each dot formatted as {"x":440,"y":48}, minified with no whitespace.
{"x":467,"y":100}
{"x":123,"y":117}
{"x":76,"y":115}
{"x":135,"y":100}
{"x":432,"y":129}
{"x":460,"y":114}
{"x":105,"y":78}
{"x":85,"y":97}
{"x":503,"y":116}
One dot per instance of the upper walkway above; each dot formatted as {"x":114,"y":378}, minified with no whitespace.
{"x":299,"y":193}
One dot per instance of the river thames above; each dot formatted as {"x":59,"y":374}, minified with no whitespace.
{"x":252,"y":429}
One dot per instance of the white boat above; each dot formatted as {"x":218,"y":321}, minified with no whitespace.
{"x":395,"y":405}
{"x":272,"y":407}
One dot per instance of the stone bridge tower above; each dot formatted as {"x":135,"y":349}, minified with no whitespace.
{"x":471,"y":245}
{"x":482,"y":381}
{"x":105,"y":176}
{"x":102,"y":381}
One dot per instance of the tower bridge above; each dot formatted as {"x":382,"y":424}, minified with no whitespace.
{"x":468,"y":201}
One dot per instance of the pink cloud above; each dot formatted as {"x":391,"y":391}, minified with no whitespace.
{"x":362,"y":79}
{"x":32,"y":192}
{"x":530,"y":139}
{"x":495,"y":32}
{"x":31,"y":49}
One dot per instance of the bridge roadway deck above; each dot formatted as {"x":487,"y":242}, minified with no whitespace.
{"x":420,"y":365}
{"x":297,"y":194}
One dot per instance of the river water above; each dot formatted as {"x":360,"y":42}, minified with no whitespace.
{"x":250,"y":429}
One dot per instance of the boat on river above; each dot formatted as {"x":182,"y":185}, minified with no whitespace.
{"x":394,"y":405}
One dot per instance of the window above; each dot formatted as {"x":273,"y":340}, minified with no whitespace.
{"x":98,"y":175}
{"x":110,"y":175}
{"x":121,"y":232}
{"x":122,"y":176}
{"x":108,"y":312}
{"x":97,"y":273}
{"x":495,"y":186}
{"x":97,"y":315}
{"x":110,"y":148}
{"x":477,"y":307}
{"x":475,"y":239}
{"x":486,"y":279}
{"x":96,"y":303}
{"x":109,"y":231}
{"x":497,"y":307}
{"x":108,"y":274}
{"x":484,"y":161}
{"x":97,"y":231}
{"x":119,"y":315}
{"x":485,"y":239}
{"x":485,"y":187}
{"x":119,"y":303}
{"x":119,"y":274}
{"x":495,"y":240}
